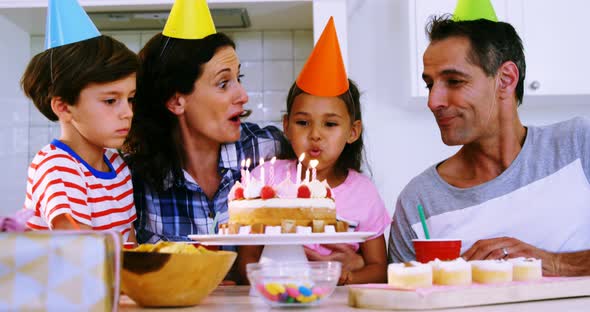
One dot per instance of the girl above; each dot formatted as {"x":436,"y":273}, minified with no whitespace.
{"x":323,"y":121}
{"x":329,"y":129}
{"x":78,"y":181}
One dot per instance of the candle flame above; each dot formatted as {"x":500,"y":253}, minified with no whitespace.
{"x":248,"y":163}
{"x":272,"y":160}
{"x":313,"y":163}
{"x":261,"y":161}
{"x":301,"y":157}
{"x":243,"y":163}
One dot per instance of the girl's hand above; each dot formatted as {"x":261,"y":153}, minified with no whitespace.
{"x":343,"y":253}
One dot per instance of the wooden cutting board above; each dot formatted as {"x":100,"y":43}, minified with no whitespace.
{"x":384,"y":297}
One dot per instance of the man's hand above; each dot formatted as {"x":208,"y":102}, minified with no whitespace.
{"x":509,"y":247}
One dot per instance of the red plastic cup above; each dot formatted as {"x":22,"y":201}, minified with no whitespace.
{"x":441,"y":249}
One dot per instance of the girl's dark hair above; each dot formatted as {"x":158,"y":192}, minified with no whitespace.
{"x":65,"y":71}
{"x":168,"y":66}
{"x":352,"y":155}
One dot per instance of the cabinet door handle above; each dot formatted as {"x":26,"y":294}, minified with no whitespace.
{"x":535,"y":85}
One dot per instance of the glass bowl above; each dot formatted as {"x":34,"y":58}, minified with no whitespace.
{"x":292,"y":284}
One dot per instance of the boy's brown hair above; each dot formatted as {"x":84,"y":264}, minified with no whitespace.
{"x":65,"y":71}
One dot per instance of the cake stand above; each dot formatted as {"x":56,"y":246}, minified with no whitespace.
{"x":282,"y":247}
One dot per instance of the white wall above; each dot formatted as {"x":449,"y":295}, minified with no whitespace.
{"x":401,"y":142}
{"x":14,"y":116}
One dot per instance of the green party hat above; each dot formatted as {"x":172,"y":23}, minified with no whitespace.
{"x":469,"y":10}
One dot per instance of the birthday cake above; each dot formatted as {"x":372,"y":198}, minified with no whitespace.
{"x":282,"y":208}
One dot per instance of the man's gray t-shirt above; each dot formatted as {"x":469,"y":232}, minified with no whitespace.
{"x":542,"y":198}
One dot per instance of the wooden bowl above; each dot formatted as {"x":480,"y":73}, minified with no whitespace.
{"x":172,"y":280}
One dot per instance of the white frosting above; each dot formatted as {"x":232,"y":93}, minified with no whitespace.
{"x":303,"y":229}
{"x":253,"y":189}
{"x":329,"y":229}
{"x":525,"y":262}
{"x":272,"y":229}
{"x":232,"y":191}
{"x":458,"y":264}
{"x":492,"y":265}
{"x":317,"y":189}
{"x":245,"y":229}
{"x":284,"y":203}
{"x":415,"y":268}
{"x":286,"y":189}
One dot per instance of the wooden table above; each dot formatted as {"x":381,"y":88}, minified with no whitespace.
{"x":237,"y":299}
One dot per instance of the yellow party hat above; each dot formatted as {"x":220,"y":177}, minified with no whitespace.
{"x":324,"y":73}
{"x":189,"y":19}
{"x":469,"y":10}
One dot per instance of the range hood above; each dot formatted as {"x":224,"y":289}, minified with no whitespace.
{"x":155,"y":20}
{"x":236,"y":14}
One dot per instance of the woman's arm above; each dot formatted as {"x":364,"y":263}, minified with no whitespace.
{"x":247,"y":254}
{"x":375,"y":269}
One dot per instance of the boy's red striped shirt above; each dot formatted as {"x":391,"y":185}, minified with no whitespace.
{"x":59,"y":182}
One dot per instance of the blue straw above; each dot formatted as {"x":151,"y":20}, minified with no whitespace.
{"x":423,"y":221}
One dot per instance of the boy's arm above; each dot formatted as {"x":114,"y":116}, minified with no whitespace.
{"x":62,"y":222}
{"x":132,"y":238}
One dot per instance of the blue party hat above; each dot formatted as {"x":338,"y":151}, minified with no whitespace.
{"x":67,"y":23}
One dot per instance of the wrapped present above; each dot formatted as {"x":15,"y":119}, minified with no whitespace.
{"x":59,"y":271}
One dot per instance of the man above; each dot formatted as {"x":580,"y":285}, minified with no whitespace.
{"x":510,"y":191}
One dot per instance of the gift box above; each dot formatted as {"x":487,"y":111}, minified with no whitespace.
{"x":59,"y":271}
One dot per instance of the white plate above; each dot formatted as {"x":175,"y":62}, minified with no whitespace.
{"x":282,"y":239}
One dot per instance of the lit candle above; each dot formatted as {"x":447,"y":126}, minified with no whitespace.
{"x":301,"y":157}
{"x":248,"y":171}
{"x":313,"y":163}
{"x":271,"y":173}
{"x":243,"y":171}
{"x":261,"y":170}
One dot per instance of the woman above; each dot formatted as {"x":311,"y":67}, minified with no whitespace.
{"x":186,"y":140}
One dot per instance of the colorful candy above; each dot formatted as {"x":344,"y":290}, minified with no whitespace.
{"x":275,"y":288}
{"x":320,"y":291}
{"x":291,"y":293}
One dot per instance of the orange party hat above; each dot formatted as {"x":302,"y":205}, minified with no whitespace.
{"x":324,"y":73}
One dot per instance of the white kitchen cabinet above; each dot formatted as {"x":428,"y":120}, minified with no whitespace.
{"x":556,"y":53}
{"x":556,"y":47}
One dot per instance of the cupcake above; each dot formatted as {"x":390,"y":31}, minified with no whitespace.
{"x":454,"y":272}
{"x":526,"y":269}
{"x":491,"y":271}
{"x":409,"y":275}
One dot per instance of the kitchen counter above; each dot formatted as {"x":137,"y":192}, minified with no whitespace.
{"x":237,"y":299}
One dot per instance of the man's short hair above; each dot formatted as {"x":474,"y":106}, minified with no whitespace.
{"x":492,"y":44}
